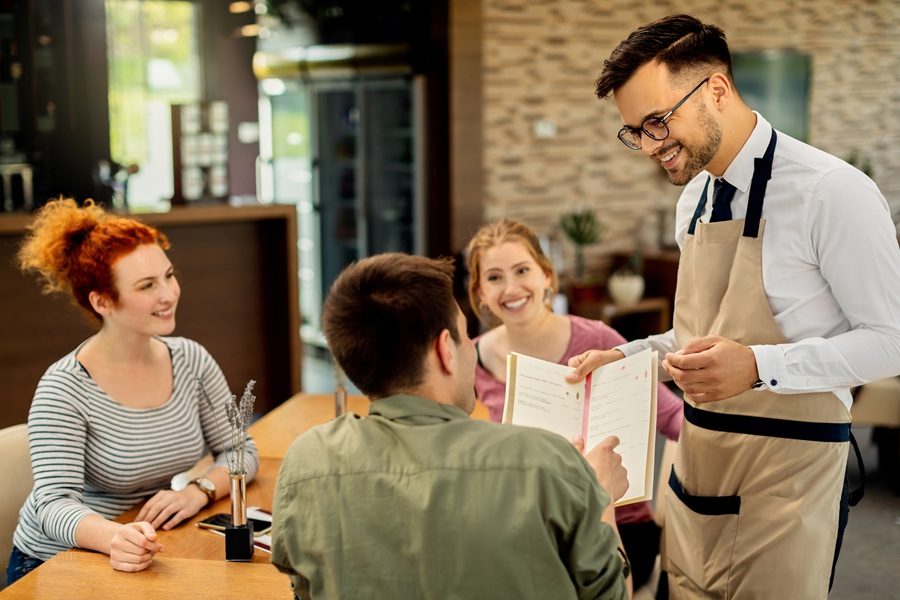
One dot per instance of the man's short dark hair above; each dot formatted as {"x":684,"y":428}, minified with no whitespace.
{"x":681,"y":42}
{"x":382,"y":315}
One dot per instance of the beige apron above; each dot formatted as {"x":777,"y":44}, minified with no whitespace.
{"x":753,"y":498}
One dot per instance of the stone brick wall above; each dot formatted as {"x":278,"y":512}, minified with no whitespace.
{"x":539,"y":60}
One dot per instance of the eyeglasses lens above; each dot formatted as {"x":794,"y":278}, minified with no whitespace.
{"x":656,"y":129}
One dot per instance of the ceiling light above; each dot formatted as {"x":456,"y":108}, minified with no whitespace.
{"x":239,"y":7}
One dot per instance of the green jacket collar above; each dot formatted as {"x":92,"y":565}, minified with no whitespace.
{"x":419,"y":411}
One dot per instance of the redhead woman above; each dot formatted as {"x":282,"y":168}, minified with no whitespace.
{"x":115,"y":419}
{"x":511,"y":282}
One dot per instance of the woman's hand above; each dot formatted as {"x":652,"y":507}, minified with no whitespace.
{"x":586,"y":362}
{"x":168,"y":508}
{"x":133,"y":547}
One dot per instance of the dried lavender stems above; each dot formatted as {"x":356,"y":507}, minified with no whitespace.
{"x":239,"y":415}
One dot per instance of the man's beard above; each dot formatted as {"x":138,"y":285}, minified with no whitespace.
{"x":699,"y":156}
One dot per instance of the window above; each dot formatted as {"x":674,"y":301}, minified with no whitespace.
{"x":154,"y":61}
{"x":776,"y":83}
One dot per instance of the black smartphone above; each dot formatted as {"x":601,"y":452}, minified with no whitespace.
{"x":220,"y":521}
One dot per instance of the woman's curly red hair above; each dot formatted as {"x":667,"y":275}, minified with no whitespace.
{"x":73,"y":248}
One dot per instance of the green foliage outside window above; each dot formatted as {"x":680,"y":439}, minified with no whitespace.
{"x":153,"y":58}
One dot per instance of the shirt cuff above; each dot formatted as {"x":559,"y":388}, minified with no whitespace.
{"x":770,"y":366}
{"x":633,"y":347}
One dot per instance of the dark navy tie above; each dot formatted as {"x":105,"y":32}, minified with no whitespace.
{"x":723,"y":192}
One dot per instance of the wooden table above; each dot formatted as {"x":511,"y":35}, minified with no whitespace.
{"x":88,"y":575}
{"x":193,"y":563}
{"x":275,"y":432}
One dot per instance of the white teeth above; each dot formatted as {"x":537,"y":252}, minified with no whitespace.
{"x":516,"y":304}
{"x":162,"y":313}
{"x":670,"y":156}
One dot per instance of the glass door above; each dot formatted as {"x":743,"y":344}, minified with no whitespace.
{"x":284,"y":176}
{"x":343,"y":230}
{"x":389,"y":166}
{"x":346,"y":152}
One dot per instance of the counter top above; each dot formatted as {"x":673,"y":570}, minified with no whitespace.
{"x":13,"y":223}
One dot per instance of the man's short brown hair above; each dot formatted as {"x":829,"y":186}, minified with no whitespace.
{"x":681,"y":42}
{"x":382,"y":315}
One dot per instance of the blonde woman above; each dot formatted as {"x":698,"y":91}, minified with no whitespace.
{"x":511,"y":281}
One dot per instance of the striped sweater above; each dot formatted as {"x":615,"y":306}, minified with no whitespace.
{"x":91,"y":455}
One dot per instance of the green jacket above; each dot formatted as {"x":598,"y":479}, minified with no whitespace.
{"x":419,"y":501}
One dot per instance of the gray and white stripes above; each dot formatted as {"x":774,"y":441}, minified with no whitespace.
{"x":91,"y":455}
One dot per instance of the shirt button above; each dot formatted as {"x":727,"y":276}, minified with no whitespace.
{"x":773,"y":382}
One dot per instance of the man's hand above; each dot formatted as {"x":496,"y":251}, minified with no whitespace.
{"x":712,"y":368}
{"x":586,"y":362}
{"x":607,"y":464}
{"x":133,"y":547}
{"x":168,"y":508}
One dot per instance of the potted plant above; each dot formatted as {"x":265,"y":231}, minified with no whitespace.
{"x":856,"y":159}
{"x":626,"y":284}
{"x":583,"y":228}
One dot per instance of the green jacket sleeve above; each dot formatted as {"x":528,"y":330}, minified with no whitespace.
{"x":593,"y":559}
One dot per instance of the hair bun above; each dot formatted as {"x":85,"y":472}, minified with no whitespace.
{"x":78,"y":233}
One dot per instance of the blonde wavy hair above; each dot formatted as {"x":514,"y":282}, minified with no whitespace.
{"x":495,"y":234}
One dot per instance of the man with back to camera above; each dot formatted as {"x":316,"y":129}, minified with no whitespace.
{"x":788,"y":294}
{"x":419,"y":501}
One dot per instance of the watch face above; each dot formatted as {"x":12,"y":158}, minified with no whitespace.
{"x":206,"y":485}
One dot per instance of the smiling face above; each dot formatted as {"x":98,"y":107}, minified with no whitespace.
{"x":512,"y":284}
{"x":148,"y":293}
{"x":695,"y":136}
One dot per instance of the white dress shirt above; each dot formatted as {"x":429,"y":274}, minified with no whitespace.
{"x":831,"y":268}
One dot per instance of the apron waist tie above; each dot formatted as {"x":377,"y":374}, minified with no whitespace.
{"x":781,"y":428}
{"x":767,"y":426}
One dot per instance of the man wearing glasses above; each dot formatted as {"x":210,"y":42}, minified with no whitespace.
{"x":788,"y":295}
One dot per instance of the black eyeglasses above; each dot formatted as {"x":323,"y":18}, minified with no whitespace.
{"x":655,"y":127}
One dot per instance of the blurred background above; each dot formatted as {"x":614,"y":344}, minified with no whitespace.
{"x":275,"y":141}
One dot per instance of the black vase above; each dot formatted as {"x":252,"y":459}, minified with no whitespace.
{"x":239,"y":542}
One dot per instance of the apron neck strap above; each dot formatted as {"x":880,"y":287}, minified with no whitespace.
{"x":762,"y":172}
{"x":699,"y":210}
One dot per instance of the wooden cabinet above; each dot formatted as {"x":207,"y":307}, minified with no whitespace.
{"x":237,"y":268}
{"x":648,"y":316}
{"x":660,"y":270}
{"x":653,"y":314}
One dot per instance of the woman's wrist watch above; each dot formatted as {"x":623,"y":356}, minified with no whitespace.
{"x":207,"y":487}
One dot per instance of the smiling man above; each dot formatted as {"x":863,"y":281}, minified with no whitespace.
{"x":788,"y":295}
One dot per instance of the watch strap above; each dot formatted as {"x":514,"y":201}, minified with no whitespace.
{"x":209,"y":490}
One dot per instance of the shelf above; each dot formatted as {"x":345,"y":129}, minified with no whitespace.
{"x":649,"y":316}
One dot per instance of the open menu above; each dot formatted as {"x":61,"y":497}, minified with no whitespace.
{"x":618,"y":399}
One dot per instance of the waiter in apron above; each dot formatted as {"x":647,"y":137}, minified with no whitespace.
{"x":788,"y":295}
